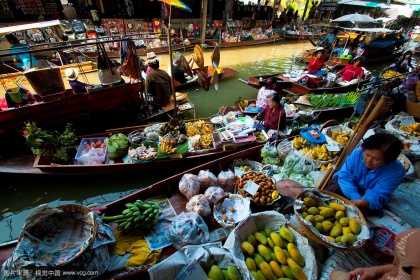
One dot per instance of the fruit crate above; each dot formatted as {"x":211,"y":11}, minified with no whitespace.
{"x":95,"y":157}
{"x":323,"y":198}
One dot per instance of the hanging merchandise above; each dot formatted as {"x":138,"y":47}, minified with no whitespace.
{"x":95,"y":17}
{"x":79,"y":29}
{"x":129,"y":60}
{"x":107,"y":73}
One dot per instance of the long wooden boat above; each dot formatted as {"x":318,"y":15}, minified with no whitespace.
{"x":299,"y":36}
{"x":285,"y":85}
{"x":26,"y":165}
{"x":243,"y":43}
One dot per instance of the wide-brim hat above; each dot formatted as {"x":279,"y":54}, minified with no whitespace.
{"x":151,"y":57}
{"x":71,"y":74}
{"x":303,"y":100}
{"x":319,"y":49}
{"x":198,"y":56}
{"x":361,"y":57}
{"x":180,"y":97}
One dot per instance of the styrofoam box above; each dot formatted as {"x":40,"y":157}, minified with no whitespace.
{"x":92,"y":158}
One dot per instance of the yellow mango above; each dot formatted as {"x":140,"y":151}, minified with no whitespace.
{"x":304,"y":214}
{"x":285,"y":233}
{"x":327,"y":226}
{"x":345,"y":221}
{"x":250,"y":263}
{"x":319,"y":219}
{"x":332,"y":239}
{"x":338,"y":239}
{"x":261,"y":275}
{"x":258,"y":259}
{"x":348,"y":239}
{"x":309,"y":201}
{"x":277,"y":239}
{"x":233,"y":273}
{"x":286,"y":253}
{"x":339,"y":214}
{"x":267,"y":272}
{"x":287,"y":272}
{"x":327,"y":212}
{"x":355,"y":226}
{"x":270,"y":242}
{"x":336,"y":231}
{"x":297,"y":256}
{"x":292,"y":263}
{"x":320,"y":208}
{"x":319,"y":227}
{"x":313,"y":211}
{"x":276,"y":269}
{"x":215,"y":273}
{"x":337,"y":206}
{"x":257,"y":276}
{"x":298,"y":273}
{"x":260,"y":238}
{"x":311,"y":219}
{"x":247,"y":248}
{"x":251,"y":239}
{"x":346,"y":230}
{"x":280,"y":255}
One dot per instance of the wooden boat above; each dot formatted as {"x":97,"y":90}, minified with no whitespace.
{"x":25,"y":164}
{"x":285,"y":85}
{"x":227,"y":72}
{"x":244,"y":43}
{"x":299,"y":36}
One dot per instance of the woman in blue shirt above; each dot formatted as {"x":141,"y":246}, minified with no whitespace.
{"x":371,"y":173}
{"x":16,"y":47}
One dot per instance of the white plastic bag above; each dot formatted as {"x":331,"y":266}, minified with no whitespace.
{"x":207,"y":179}
{"x":199,"y":204}
{"x":188,"y":228}
{"x":226,"y":180}
{"x":189,"y":185}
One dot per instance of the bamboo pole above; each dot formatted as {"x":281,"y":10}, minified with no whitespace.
{"x":383,"y":105}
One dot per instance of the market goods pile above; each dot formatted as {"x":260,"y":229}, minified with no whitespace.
{"x":316,"y":152}
{"x":334,"y":100}
{"x":341,"y":137}
{"x":141,"y":216}
{"x":231,"y":273}
{"x":413,"y":128}
{"x":331,"y":221}
{"x":273,"y":255}
{"x":266,"y":193}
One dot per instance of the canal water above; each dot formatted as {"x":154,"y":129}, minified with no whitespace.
{"x":21,"y":196}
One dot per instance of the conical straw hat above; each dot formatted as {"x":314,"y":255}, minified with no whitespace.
{"x":198,"y":56}
{"x":303,"y":100}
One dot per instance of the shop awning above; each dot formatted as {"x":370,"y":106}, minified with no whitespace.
{"x":392,"y":10}
{"x":14,"y":28}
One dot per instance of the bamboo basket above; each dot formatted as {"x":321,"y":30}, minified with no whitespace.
{"x":313,"y":234}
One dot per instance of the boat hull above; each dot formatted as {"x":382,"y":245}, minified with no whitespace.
{"x":243,"y":43}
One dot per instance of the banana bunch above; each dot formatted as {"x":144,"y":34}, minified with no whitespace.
{"x":246,"y":168}
{"x":413,"y":128}
{"x":341,"y":137}
{"x":139,"y":215}
{"x":205,"y":141}
{"x":174,"y":127}
{"x":325,"y":167}
{"x":299,"y":142}
{"x":167,"y":148}
{"x":321,"y":153}
{"x":206,"y":129}
{"x":192,"y":130}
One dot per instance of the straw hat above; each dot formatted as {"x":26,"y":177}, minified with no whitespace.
{"x":151,"y":57}
{"x":362,"y":58}
{"x":71,"y":74}
{"x":180,"y":97}
{"x":303,"y":100}
{"x":198,"y":56}
{"x":173,"y":31}
{"x":319,"y":49}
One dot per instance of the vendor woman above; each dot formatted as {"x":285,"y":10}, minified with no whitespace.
{"x":272,"y":116}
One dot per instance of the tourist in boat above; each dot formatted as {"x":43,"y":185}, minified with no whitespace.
{"x":273,"y":116}
{"x":329,"y":40}
{"x":351,"y":71}
{"x":269,"y":31}
{"x":158,"y":83}
{"x":77,"y":86}
{"x":26,"y":59}
{"x":317,"y":62}
{"x":404,"y":65}
{"x":406,"y":264}
{"x":178,"y":73}
{"x":371,"y":173}
{"x":264,"y":92}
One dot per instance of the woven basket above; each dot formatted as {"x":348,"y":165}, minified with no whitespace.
{"x":309,"y":232}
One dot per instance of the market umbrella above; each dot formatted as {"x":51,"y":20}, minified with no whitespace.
{"x":181,"y":5}
{"x":354,"y":19}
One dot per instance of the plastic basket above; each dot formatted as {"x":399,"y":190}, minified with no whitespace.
{"x":93,"y":158}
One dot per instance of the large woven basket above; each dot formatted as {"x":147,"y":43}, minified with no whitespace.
{"x":313,"y":234}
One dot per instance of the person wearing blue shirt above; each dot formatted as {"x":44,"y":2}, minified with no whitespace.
{"x":371,"y":173}
{"x":330,"y":39}
{"x":17,"y":47}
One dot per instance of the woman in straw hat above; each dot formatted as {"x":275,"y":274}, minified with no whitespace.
{"x":77,"y":86}
{"x":273,"y":116}
{"x":317,"y":62}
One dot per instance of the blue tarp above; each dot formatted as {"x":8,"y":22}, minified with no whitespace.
{"x":383,"y":44}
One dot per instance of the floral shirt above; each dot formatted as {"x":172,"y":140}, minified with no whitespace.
{"x":262,"y":96}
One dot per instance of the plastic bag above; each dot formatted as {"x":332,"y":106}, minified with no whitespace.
{"x":117,"y":145}
{"x":284,"y":148}
{"x":189,"y":185}
{"x":226,"y":180}
{"x":295,"y":163}
{"x":213,"y":194}
{"x":268,"y":150}
{"x":188,"y":228}
{"x":207,"y":179}
{"x":199,"y":204}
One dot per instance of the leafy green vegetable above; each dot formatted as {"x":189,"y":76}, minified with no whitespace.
{"x":117,"y":145}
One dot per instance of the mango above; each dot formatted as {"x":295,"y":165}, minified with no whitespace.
{"x":285,"y":233}
{"x":256,"y":275}
{"x":319,"y":227}
{"x":273,"y":257}
{"x":215,"y":273}
{"x":277,"y":239}
{"x":287,"y":271}
{"x":280,"y":255}
{"x":292,"y":263}
{"x":337,"y":223}
{"x":251,"y":239}
{"x":247,"y":248}
{"x":296,"y":256}
{"x":267,"y":272}
{"x":276,"y":269}
{"x":313,"y":211}
{"x":311,"y":219}
{"x":319,"y":219}
{"x":309,"y":201}
{"x":327,"y":212}
{"x":270,"y":242}
{"x":336,"y":231}
{"x":345,"y":221}
{"x":338,"y":239}
{"x":337,"y":206}
{"x":250,"y":263}
{"x":263,"y":233}
{"x":331,"y":239}
{"x":327,"y":226}
{"x":304,"y":214}
{"x":298,"y":273}
{"x":320,"y":208}
{"x":261,"y":275}
{"x":260,"y":238}
{"x":258,"y":259}
{"x":346,"y":230}
{"x":225,"y":274}
{"x":233,"y":273}
{"x":348,"y":239}
{"x":339,"y":214}
{"x":268,"y":232}
{"x":355,"y":226}
{"x":287,"y":253}
{"x":303,"y":208}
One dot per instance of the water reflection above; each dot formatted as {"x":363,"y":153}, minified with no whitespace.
{"x":21,"y":196}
